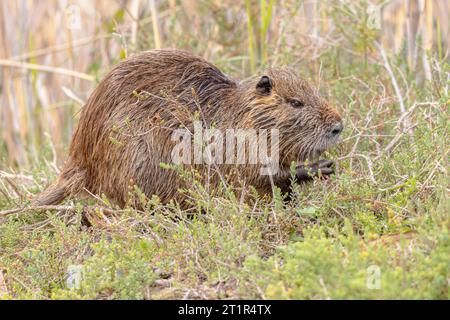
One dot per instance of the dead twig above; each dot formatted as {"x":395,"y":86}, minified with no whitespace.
{"x":3,"y":288}
{"x":397,"y":90}
{"x":37,"y":208}
{"x":15,"y":187}
{"x":402,"y":127}
{"x":368,"y":161}
{"x":37,"y":67}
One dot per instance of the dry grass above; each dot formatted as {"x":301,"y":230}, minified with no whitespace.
{"x":47,"y":65}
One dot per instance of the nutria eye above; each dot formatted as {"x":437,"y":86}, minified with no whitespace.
{"x":296,"y":103}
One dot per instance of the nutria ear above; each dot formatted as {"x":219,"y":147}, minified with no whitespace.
{"x":264,"y":85}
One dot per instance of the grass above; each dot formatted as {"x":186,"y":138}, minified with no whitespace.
{"x":321,"y":244}
{"x":379,"y":229}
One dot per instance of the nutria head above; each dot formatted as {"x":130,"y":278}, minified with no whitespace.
{"x":307,"y":124}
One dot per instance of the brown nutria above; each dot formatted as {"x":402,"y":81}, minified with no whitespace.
{"x":125,"y":129}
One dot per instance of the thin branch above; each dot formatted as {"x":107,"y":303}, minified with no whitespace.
{"x":37,"y":67}
{"x":60,"y":208}
{"x":393,"y":79}
{"x":59,"y":47}
{"x":402,"y":128}
{"x":37,"y":208}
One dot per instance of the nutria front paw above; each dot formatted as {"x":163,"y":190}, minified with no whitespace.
{"x":320,"y":169}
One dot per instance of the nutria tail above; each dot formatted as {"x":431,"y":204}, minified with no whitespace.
{"x":70,"y":182}
{"x":52,"y":195}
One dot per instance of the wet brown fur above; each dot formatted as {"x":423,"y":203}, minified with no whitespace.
{"x":125,"y":128}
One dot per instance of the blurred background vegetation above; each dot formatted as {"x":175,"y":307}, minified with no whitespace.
{"x":54,"y":52}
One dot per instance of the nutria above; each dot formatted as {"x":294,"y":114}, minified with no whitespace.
{"x":125,"y":129}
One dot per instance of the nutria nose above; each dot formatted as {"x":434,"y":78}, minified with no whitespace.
{"x":337,"y":129}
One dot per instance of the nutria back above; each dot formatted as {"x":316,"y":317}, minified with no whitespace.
{"x":127,"y":126}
